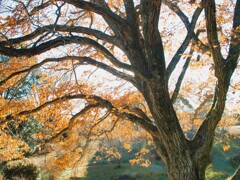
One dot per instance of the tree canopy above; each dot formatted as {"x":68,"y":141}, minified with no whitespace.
{"x":104,"y":68}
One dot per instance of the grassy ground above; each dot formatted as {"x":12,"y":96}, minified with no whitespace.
{"x":221,"y":169}
{"x":111,"y":171}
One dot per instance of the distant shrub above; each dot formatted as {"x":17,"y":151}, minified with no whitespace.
{"x":17,"y":171}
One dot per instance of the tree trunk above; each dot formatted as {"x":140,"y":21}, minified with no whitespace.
{"x":185,"y":170}
{"x":185,"y":165}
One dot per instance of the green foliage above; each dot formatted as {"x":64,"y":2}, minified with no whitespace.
{"x":23,"y":89}
{"x":20,"y":170}
{"x":4,"y":59}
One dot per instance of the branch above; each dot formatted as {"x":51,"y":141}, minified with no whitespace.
{"x":186,"y":22}
{"x":101,"y":9}
{"x":35,"y":66}
{"x":150,"y":13}
{"x":234,"y":49}
{"x":68,"y":40}
{"x":54,"y":101}
{"x":200,"y":107}
{"x":211,"y":25}
{"x":32,"y":12}
{"x":131,"y":13}
{"x":101,"y":103}
{"x":184,"y":70}
{"x":109,"y":69}
{"x":180,"y":78}
{"x":141,"y":114}
{"x":109,"y":130}
{"x":176,"y":58}
{"x":205,"y":134}
{"x":62,"y":28}
{"x":82,"y":61}
{"x":71,"y":122}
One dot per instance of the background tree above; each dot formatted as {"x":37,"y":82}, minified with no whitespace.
{"x":130,"y":41}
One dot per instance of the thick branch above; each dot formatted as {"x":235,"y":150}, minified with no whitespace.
{"x":68,"y":40}
{"x":150,"y":13}
{"x":62,"y":28}
{"x":205,"y":134}
{"x":211,"y":25}
{"x":234,"y":49}
{"x":131,"y":13}
{"x":100,"y":9}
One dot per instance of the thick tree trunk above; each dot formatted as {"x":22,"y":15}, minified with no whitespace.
{"x":185,"y":169}
{"x":185,"y":165}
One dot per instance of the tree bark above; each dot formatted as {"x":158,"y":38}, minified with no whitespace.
{"x":184,"y":166}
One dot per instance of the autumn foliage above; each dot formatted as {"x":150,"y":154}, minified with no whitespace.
{"x":87,"y":74}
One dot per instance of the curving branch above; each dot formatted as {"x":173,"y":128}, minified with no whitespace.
{"x":62,"y":28}
{"x":82,"y":61}
{"x":71,"y":122}
{"x":100,"y":102}
{"x":100,"y":8}
{"x":69,"y":40}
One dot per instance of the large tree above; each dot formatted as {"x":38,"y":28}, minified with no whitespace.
{"x":129,"y":40}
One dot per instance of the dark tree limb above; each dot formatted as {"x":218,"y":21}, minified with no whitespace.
{"x":62,"y":28}
{"x":100,"y":9}
{"x":212,"y":35}
{"x":150,"y":13}
{"x":176,"y":58}
{"x":234,"y":49}
{"x":186,"y":22}
{"x":180,"y":78}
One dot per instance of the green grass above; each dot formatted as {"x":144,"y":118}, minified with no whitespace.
{"x":110,"y":172}
{"x":219,"y":170}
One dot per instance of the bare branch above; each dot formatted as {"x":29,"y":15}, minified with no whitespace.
{"x":82,"y":61}
{"x":62,"y":28}
{"x":180,"y":78}
{"x":68,"y":40}
{"x":176,"y":58}
{"x":131,"y":13}
{"x":101,"y":9}
{"x":186,"y":22}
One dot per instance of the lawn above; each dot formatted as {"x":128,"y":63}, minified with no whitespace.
{"x":111,"y":171}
